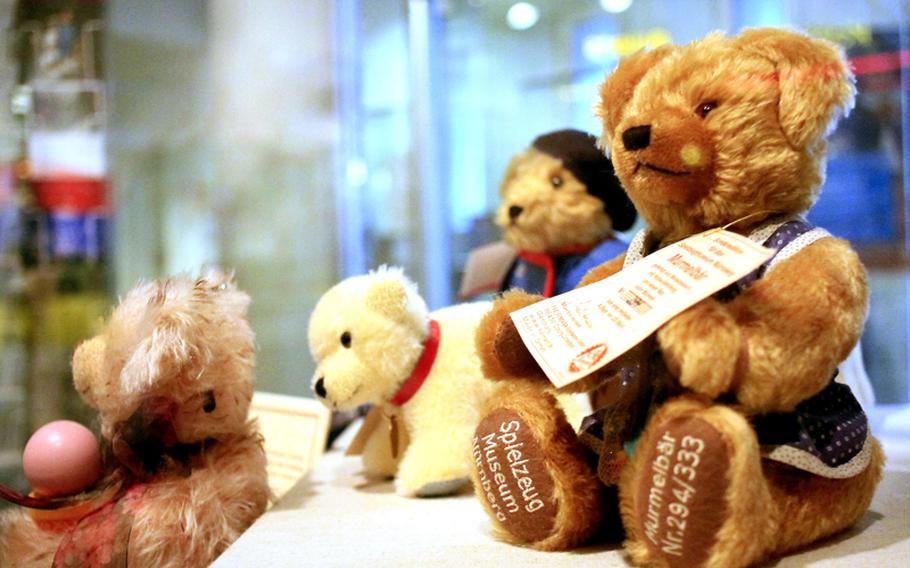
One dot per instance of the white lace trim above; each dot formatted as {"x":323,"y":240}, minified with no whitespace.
{"x":763,"y":232}
{"x":805,"y":461}
{"x":798,"y":244}
{"x":636,"y":250}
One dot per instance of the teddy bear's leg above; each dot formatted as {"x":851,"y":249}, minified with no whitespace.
{"x":431,"y":470}
{"x":442,"y":488}
{"x":531,"y":473}
{"x":694,"y":493}
{"x":812,"y":507}
{"x":378,"y":459}
{"x":435,"y":462}
{"x":25,"y":544}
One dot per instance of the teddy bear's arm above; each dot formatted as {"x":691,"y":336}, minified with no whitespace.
{"x":502,"y":353}
{"x":701,"y":347}
{"x":798,"y":323}
{"x":778,"y":342}
{"x":436,"y":455}
{"x":603,"y":271}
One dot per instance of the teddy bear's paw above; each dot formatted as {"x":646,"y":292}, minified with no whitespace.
{"x":424,"y":478}
{"x":701,"y":348}
{"x":532,"y":477}
{"x":681,"y":493}
{"x":511,"y":352}
{"x":442,"y":488}
{"x":500,"y":348}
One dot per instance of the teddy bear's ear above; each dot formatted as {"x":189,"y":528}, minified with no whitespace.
{"x":166,"y":349}
{"x":388,"y":297}
{"x":816,"y":84}
{"x":616,"y":90}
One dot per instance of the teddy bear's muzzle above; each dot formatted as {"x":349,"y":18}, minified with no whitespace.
{"x":672,"y":143}
{"x":665,"y":157}
{"x":147,"y":443}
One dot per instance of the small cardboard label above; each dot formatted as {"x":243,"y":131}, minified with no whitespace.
{"x":371,"y":422}
{"x":486,"y":269}
{"x":513,"y":476}
{"x":576,"y":333}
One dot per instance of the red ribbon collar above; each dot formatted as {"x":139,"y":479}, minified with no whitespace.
{"x":545,"y":261}
{"x":410,"y":387}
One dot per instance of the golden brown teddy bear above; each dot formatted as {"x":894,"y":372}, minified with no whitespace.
{"x":561,"y":207}
{"x":171,"y":378}
{"x":740,"y":443}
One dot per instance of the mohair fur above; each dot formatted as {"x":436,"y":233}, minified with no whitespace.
{"x":561,"y":203}
{"x":181,"y":338}
{"x":580,"y":502}
{"x":388,"y":323}
{"x":737,"y":135}
{"x":551,"y":218}
{"x":751,"y":508}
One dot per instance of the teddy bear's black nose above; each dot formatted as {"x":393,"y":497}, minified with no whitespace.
{"x":320,"y":387}
{"x":515,"y":211}
{"x":637,"y":137}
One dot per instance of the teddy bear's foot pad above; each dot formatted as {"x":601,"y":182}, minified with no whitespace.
{"x":441,"y":488}
{"x":513,"y":476}
{"x":681,"y":495}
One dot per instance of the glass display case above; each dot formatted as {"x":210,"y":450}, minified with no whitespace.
{"x":502,"y":72}
{"x":382,"y":137}
{"x":300,"y":142}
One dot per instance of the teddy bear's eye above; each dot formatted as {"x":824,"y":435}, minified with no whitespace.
{"x":556,"y":181}
{"x":705,"y":108}
{"x":346,"y":340}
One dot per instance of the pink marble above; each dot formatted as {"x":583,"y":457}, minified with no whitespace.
{"x":61,"y":458}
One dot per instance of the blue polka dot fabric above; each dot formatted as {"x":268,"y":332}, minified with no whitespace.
{"x":830,"y":426}
{"x":784,"y":235}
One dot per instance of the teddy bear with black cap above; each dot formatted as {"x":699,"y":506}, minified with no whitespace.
{"x":561,"y":209}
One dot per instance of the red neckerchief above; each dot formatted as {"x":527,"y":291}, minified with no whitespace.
{"x":545,"y":261}
{"x":410,"y":387}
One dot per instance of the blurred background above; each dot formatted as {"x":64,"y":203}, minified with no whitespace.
{"x":302,"y":141}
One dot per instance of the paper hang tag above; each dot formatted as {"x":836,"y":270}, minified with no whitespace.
{"x":371,"y":422}
{"x":393,"y":434}
{"x":576,"y":333}
{"x":380,"y":422}
{"x":486,"y":269}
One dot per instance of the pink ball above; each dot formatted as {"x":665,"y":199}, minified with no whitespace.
{"x":61,"y":458}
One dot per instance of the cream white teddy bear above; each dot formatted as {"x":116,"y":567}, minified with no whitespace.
{"x":375,"y":342}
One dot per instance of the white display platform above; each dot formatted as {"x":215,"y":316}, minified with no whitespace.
{"x":337,"y":518}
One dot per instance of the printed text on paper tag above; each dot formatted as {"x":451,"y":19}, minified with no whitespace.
{"x":574,"y":334}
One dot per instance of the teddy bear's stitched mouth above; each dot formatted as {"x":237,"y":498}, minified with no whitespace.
{"x":659,"y":170}
{"x":337,"y":404}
